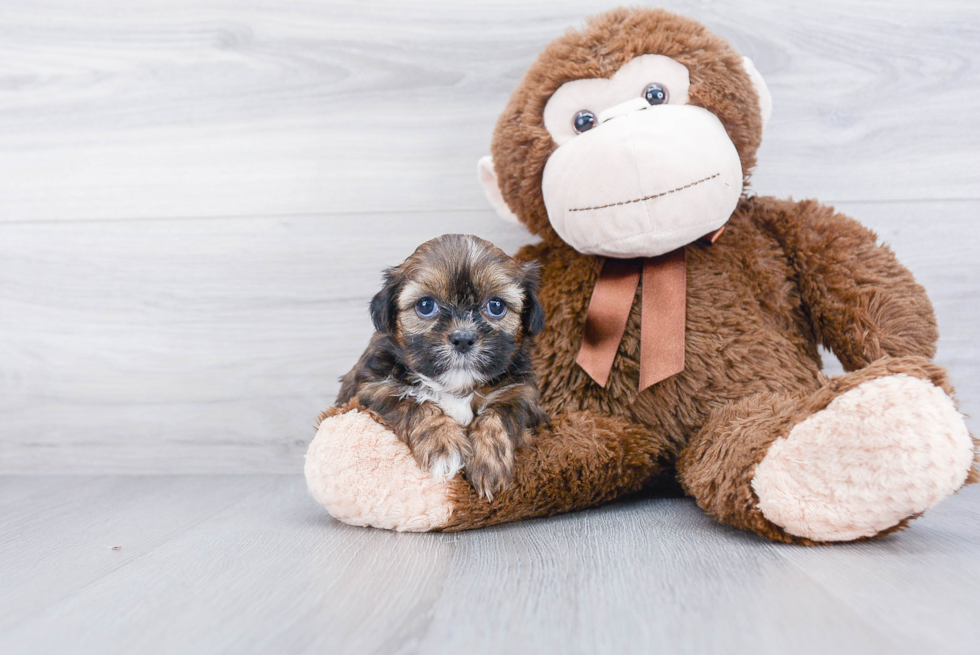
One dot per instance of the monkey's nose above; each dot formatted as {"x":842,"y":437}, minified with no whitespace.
{"x":623,"y":108}
{"x":462,"y":340}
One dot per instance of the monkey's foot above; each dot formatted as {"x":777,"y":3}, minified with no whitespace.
{"x":364,"y":475}
{"x":878,"y":454}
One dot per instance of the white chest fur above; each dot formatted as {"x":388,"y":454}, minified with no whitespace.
{"x":459,"y":408}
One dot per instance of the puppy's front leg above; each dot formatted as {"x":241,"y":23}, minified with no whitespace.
{"x":491,"y":465}
{"x":503,"y":423}
{"x":438,"y":441}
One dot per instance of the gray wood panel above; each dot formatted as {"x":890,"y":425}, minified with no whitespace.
{"x":252,"y":564}
{"x":120,"y":109}
{"x":211,"y":345}
{"x":196,"y":198}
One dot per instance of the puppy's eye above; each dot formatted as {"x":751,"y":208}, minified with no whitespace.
{"x":584,"y":121}
{"x":426,"y":308}
{"x":655,"y":94}
{"x":496,"y":308}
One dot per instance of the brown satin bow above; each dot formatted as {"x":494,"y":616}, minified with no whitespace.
{"x":662,"y":315}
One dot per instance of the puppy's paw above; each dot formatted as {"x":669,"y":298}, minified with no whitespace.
{"x":445,"y":466}
{"x":440,"y":447}
{"x":491,"y":466}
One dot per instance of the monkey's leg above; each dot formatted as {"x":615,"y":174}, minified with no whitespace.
{"x":363,"y":475}
{"x":858,"y":458}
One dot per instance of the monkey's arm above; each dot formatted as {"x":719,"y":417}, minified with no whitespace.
{"x":364,"y":475}
{"x":862,"y":303}
{"x":580,"y":460}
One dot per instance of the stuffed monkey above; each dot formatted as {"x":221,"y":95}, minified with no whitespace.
{"x":684,"y":316}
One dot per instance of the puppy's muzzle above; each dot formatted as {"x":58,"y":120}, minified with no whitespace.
{"x":462,"y":340}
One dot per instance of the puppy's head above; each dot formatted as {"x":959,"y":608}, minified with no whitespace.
{"x":460,"y":309}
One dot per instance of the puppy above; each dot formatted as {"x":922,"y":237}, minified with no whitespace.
{"x":449,"y":367}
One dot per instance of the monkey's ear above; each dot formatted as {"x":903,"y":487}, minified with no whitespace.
{"x":765,"y":98}
{"x":488,"y":179}
{"x":533,"y":313}
{"x":383,"y":308}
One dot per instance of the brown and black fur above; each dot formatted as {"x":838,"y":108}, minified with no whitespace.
{"x":784,"y":278}
{"x":409,"y":356}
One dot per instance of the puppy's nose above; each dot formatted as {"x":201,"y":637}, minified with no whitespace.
{"x":462,"y":340}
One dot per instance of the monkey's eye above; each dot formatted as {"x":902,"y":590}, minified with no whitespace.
{"x":496,"y":308}
{"x":655,"y":94}
{"x":426,"y":308}
{"x":583,"y":121}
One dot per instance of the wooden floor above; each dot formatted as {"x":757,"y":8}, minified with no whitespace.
{"x":250,"y":564}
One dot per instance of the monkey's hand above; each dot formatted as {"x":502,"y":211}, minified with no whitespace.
{"x":491,"y":465}
{"x":439,"y":444}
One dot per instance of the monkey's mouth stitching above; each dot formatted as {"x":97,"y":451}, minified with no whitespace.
{"x":656,"y":195}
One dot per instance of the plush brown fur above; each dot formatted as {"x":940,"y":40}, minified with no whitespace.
{"x":784,"y":278}
{"x":582,"y":459}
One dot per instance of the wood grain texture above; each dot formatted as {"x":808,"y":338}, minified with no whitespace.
{"x":196,"y":198}
{"x":89,"y":516}
{"x":253,"y":565}
{"x":120,"y":109}
{"x":211,"y":345}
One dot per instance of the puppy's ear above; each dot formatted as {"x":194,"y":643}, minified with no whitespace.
{"x":383,"y":309}
{"x":533,"y":313}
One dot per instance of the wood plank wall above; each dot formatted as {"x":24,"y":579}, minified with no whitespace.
{"x":196,"y":198}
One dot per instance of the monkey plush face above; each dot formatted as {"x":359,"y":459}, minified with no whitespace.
{"x":629,"y":138}
{"x":638,"y":171}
